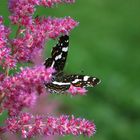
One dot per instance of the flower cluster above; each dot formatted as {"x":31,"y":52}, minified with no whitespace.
{"x":36,"y":35}
{"x":29,"y":125}
{"x":50,"y":3}
{"x":32,"y":39}
{"x":20,"y":89}
{"x":6,"y":59}
{"x":76,"y":90}
{"x":23,"y":10}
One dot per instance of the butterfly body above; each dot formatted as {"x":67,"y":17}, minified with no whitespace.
{"x":61,"y":81}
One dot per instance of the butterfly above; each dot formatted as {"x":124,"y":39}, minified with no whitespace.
{"x":61,"y":82}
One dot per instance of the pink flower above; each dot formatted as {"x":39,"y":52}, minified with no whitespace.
{"x":77,"y":90}
{"x":21,"y":90}
{"x":37,"y":34}
{"x":22,"y":10}
{"x":31,"y":126}
{"x":6,"y":59}
{"x":50,"y":3}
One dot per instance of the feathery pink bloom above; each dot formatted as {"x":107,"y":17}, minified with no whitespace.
{"x":30,"y":126}
{"x":21,"y":90}
{"x":51,"y":3}
{"x":6,"y":59}
{"x":22,"y":10}
{"x":33,"y":39}
{"x":77,"y":90}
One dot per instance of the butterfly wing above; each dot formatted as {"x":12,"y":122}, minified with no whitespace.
{"x":58,"y":54}
{"x":62,"y":83}
{"x":81,"y":80}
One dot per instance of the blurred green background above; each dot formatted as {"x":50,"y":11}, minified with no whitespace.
{"x":106,"y":44}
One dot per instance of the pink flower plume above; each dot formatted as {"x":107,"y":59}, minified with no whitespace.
{"x":30,"y":125}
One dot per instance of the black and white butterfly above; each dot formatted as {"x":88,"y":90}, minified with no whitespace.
{"x":61,"y":81}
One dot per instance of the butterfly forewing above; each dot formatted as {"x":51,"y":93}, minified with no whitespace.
{"x":59,"y":54}
{"x":61,"y":83}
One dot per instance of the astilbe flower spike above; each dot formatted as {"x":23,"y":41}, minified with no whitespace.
{"x":22,"y":10}
{"x":6,"y":59}
{"x":29,"y":125}
{"x":20,"y":89}
{"x":36,"y":35}
{"x":50,"y":3}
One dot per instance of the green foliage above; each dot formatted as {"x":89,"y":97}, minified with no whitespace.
{"x":3,"y":118}
{"x":105,"y":44}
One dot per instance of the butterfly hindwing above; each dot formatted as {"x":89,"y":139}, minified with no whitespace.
{"x":82,"y":80}
{"x":58,"y":54}
{"x":62,"y":83}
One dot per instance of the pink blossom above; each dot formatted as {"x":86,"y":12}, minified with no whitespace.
{"x":6,"y":59}
{"x":36,"y":35}
{"x":50,"y":3}
{"x":30,"y":125}
{"x":77,"y":90}
{"x":22,"y":7}
{"x":21,"y":90}
{"x":23,"y":10}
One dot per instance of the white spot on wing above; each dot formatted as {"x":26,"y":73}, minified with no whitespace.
{"x":58,"y":57}
{"x":76,"y":80}
{"x":65,"y":49}
{"x":52,"y":63}
{"x":86,"y":78}
{"x":93,"y":79}
{"x":60,"y":83}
